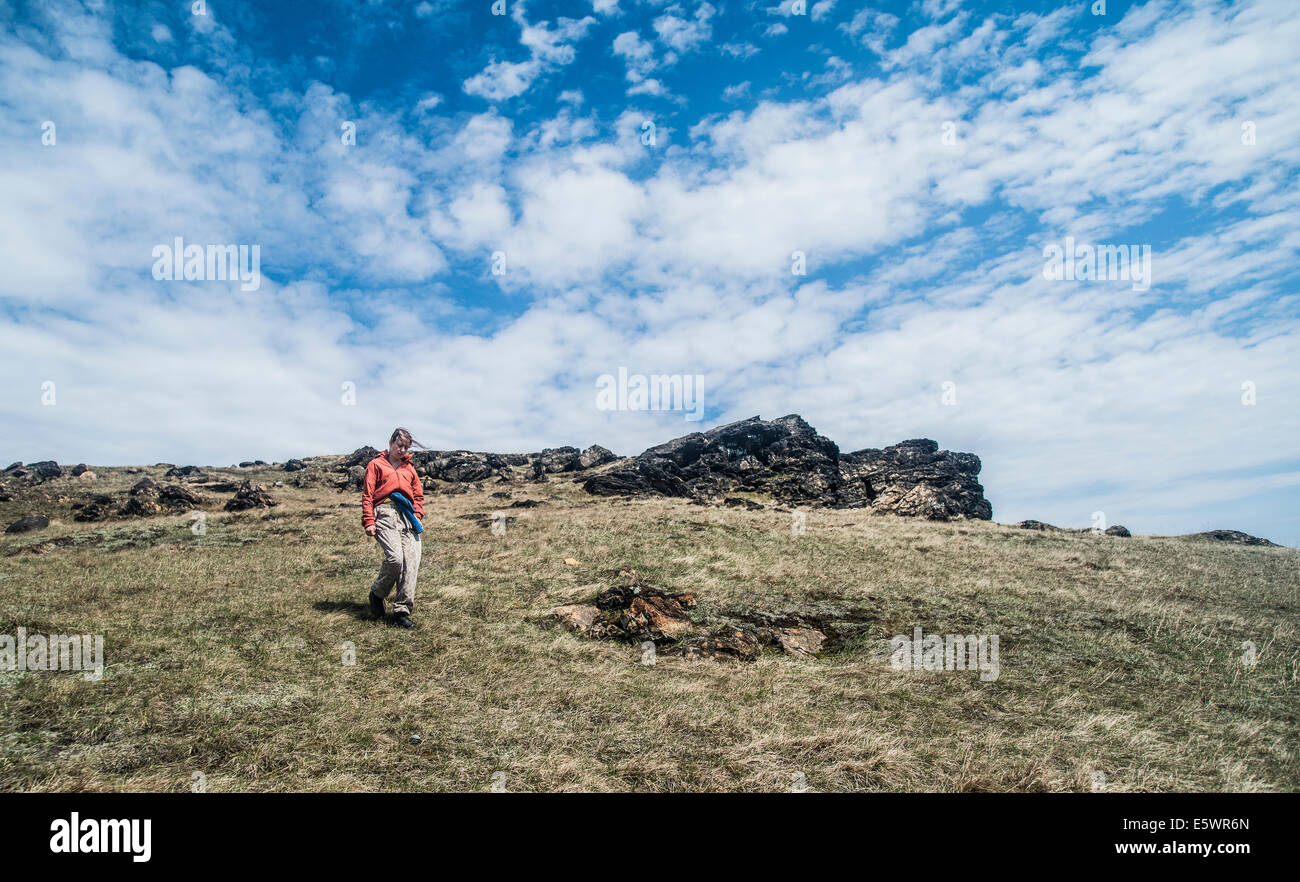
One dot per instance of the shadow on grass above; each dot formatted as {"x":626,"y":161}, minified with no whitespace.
{"x":356,"y":608}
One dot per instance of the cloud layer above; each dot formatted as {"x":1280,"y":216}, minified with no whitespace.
{"x":916,"y":162}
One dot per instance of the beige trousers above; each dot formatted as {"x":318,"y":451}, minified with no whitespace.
{"x":401,"y":566}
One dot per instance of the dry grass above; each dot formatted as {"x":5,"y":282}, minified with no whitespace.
{"x":224,"y":655}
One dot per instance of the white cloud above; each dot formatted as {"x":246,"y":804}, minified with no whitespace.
{"x":685,"y":34}
{"x":549,"y":48}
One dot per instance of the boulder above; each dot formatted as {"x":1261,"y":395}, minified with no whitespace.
{"x":86,"y":476}
{"x":79,"y":469}
{"x":249,"y":496}
{"x":29,"y":524}
{"x":43,"y":471}
{"x":294,"y":465}
{"x":175,"y":496}
{"x":595,"y":455}
{"x":144,"y":485}
{"x":1118,"y":530}
{"x":181,"y":471}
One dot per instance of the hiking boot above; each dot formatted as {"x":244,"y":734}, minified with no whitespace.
{"x":402,"y":620}
{"x":376,"y":606}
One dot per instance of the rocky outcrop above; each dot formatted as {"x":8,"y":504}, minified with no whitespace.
{"x":359,"y":457}
{"x":788,"y":460}
{"x":553,"y":460}
{"x":915,"y":479}
{"x":1236,"y":537}
{"x":456,"y":467}
{"x":147,"y":498}
{"x":460,"y":466}
{"x":34,"y":472}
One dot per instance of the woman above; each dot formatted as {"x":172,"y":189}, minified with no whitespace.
{"x":392,"y":507}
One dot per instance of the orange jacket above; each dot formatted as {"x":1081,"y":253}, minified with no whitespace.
{"x":382,"y":479}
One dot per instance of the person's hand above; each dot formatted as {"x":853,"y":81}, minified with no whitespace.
{"x":370,"y":531}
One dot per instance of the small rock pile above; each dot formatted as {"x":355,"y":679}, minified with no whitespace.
{"x":248,"y":496}
{"x":638,"y":613}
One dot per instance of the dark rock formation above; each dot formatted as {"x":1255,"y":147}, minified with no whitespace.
{"x":144,"y":485}
{"x":250,"y":496}
{"x":1234,"y":536}
{"x":1036,"y":525}
{"x":556,"y":459}
{"x":36,"y":472}
{"x":359,"y":457}
{"x":29,"y":524}
{"x":916,"y":479}
{"x":182,"y":471}
{"x":1118,"y":530}
{"x":460,"y":466}
{"x":79,"y":469}
{"x":146,"y":499}
{"x":94,"y":508}
{"x":788,"y":460}
{"x":295,"y":465}
{"x":595,"y":455}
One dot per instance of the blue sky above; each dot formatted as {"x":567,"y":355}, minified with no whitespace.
{"x":920,"y":155}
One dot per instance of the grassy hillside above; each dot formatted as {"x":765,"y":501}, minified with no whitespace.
{"x":224,"y":654}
